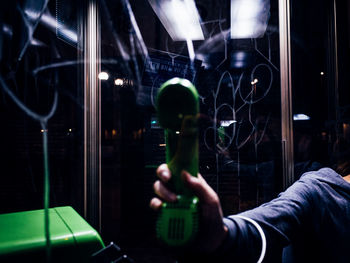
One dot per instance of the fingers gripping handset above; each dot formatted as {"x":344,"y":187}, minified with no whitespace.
{"x":177,"y":109}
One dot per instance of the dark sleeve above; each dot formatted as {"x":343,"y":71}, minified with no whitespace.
{"x":281,"y":220}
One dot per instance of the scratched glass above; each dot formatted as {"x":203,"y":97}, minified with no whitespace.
{"x":229,"y":49}
{"x":44,"y":58}
{"x":237,"y":77}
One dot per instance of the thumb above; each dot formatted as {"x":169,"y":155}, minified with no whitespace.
{"x":200,"y":188}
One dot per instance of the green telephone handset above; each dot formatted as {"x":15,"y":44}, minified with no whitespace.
{"x":177,"y":109}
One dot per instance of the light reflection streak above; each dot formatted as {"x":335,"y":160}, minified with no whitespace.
{"x":71,"y":63}
{"x":30,"y":27}
{"x":136,"y":29}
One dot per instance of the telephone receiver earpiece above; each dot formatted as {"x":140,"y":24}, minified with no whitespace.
{"x":178,"y":108}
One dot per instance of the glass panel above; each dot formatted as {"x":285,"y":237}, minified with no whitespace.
{"x":228,"y":49}
{"x":237,"y":77}
{"x":319,"y":76}
{"x":231,"y":56}
{"x":343,"y":44}
{"x":40,"y":95}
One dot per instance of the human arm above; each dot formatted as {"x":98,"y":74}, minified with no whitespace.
{"x":215,"y":242}
{"x":233,"y":238}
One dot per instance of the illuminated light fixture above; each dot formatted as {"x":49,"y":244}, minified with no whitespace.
{"x":249,"y":18}
{"x":300,"y":117}
{"x":118,"y":82}
{"x":162,"y":145}
{"x":322,"y":73}
{"x":70,"y":130}
{"x":239,"y":64}
{"x":180,"y":18}
{"x":36,"y":42}
{"x":177,"y":132}
{"x":239,"y":59}
{"x":254,"y":81}
{"x":227,"y":123}
{"x":103,"y":75}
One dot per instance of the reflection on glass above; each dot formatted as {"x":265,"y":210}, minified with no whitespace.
{"x":300,"y":117}
{"x":180,"y":18}
{"x":249,"y":18}
{"x":118,"y":82}
{"x":103,"y":76}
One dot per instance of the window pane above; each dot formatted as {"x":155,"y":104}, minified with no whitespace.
{"x":237,"y":78}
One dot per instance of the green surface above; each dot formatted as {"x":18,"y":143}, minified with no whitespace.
{"x":22,"y":236}
{"x":178,"y":109}
{"x":177,"y":224}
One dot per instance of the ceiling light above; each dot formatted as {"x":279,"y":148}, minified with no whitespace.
{"x":103,"y":75}
{"x":300,"y":117}
{"x":180,"y":18}
{"x":249,"y":18}
{"x":118,"y":82}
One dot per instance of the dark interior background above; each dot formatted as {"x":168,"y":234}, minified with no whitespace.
{"x":241,"y":161}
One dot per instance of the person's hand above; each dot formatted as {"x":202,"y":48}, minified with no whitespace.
{"x":212,"y":230}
